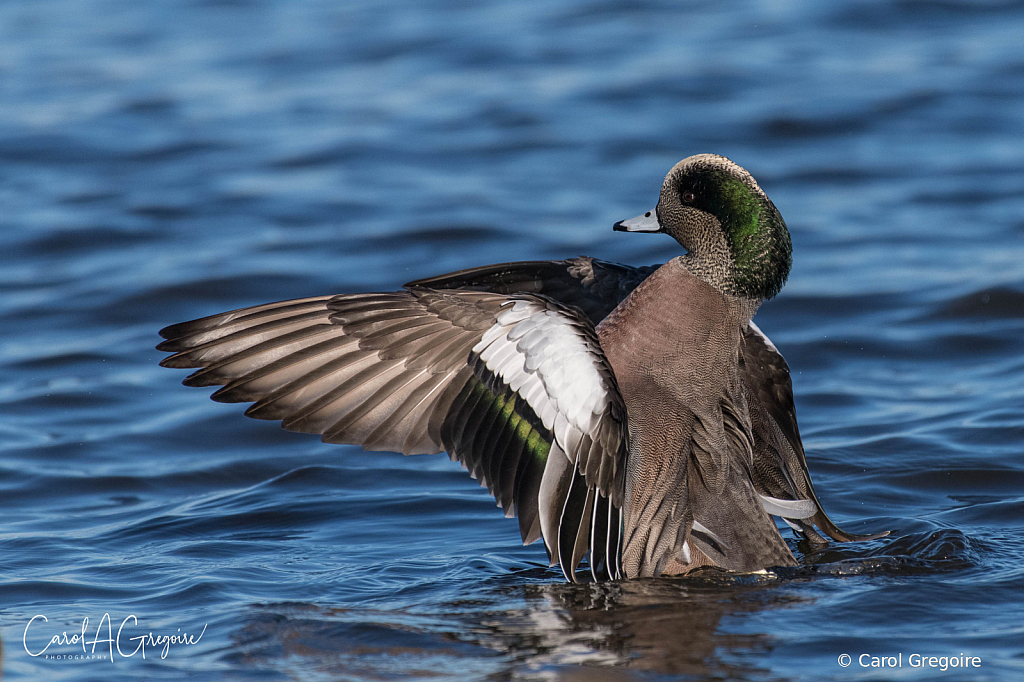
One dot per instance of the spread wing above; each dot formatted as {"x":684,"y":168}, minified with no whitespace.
{"x":516,"y":388}
{"x":779,"y":465}
{"x":596,"y":287}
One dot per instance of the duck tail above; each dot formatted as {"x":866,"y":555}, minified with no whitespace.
{"x":823,"y":522}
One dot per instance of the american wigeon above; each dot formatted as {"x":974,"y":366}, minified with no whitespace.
{"x":633,"y":414}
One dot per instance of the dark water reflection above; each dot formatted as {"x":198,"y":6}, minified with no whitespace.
{"x":525,"y":626}
{"x":532,"y":631}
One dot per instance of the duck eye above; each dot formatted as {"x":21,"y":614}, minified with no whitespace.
{"x":688,"y":197}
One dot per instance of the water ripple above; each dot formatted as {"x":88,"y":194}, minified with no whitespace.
{"x":160,"y":162}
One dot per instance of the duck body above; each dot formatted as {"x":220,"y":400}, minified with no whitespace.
{"x":686,"y":363}
{"x":635,"y":417}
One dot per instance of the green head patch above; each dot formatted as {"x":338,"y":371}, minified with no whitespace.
{"x":754,"y":231}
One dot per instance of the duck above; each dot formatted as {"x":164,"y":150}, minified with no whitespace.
{"x":632,"y":418}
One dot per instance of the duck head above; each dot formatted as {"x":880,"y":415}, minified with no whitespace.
{"x":736,"y":238}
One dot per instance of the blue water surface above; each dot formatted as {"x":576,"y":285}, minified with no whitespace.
{"x":161,"y":161}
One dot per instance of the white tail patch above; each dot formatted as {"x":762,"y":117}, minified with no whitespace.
{"x":792,"y":525}
{"x":788,"y":509}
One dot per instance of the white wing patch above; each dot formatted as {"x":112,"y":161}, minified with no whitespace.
{"x":542,"y":356}
{"x":764,"y":337}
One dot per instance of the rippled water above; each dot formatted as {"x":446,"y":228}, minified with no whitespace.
{"x":162,"y":161}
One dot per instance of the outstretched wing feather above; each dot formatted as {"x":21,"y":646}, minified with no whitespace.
{"x":779,"y":468}
{"x":506,"y":384}
{"x":591,"y":285}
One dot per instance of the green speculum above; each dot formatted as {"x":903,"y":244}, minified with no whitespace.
{"x":516,"y":416}
{"x":519,"y":420}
